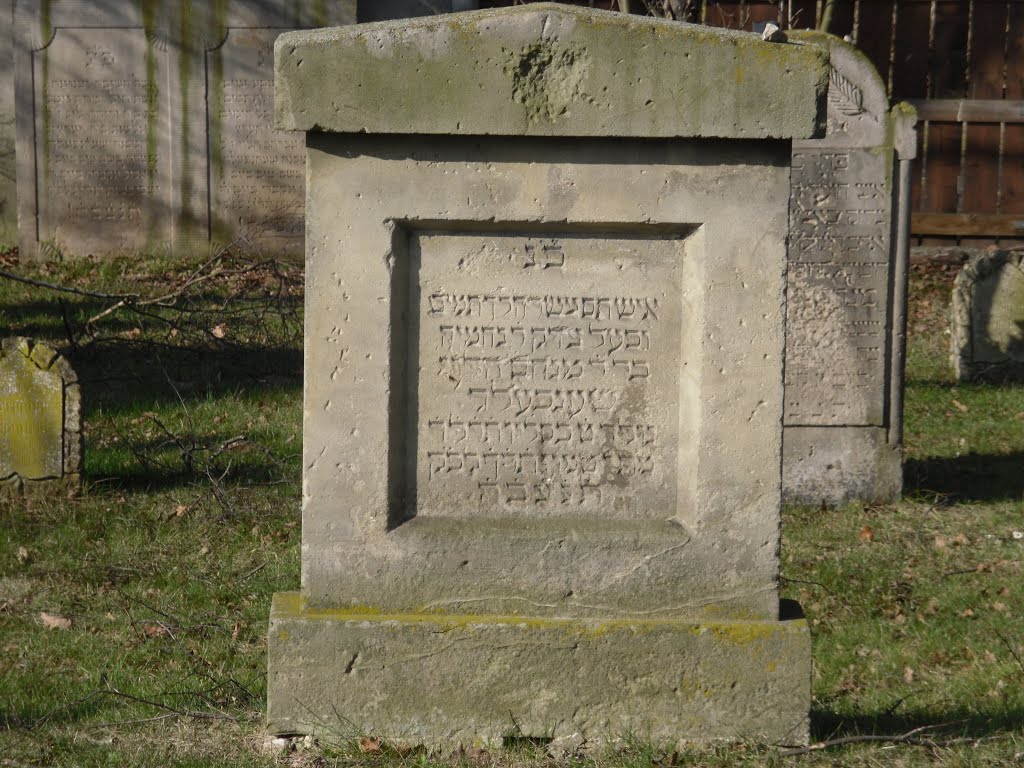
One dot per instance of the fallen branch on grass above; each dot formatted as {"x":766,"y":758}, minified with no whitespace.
{"x":911,"y":737}
{"x":61,"y":288}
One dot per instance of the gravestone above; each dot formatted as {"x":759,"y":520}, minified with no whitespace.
{"x":40,"y":418}
{"x":988,"y":318}
{"x":846,"y":316}
{"x":8,"y":189}
{"x":148,"y":125}
{"x":543,"y":380}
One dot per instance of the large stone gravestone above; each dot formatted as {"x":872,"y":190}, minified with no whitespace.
{"x":40,"y":418}
{"x":846,"y":316}
{"x":146,"y":125}
{"x":543,"y":379}
{"x":988,"y":317}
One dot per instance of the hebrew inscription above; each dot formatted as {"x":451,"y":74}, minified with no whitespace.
{"x":96,"y":137}
{"x":837,"y":347}
{"x":547,"y":374}
{"x":258,"y":176}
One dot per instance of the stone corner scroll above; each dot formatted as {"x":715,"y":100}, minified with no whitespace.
{"x":40,"y":419}
{"x":849,"y":237}
{"x":543,"y":386}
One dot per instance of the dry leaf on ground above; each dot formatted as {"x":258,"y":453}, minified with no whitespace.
{"x":50,"y":621}
{"x":368,"y":745}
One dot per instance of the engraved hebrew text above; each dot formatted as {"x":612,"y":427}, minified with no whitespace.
{"x":838,"y":281}
{"x":553,"y":400}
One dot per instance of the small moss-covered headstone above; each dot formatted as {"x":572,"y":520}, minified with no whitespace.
{"x":40,"y":418}
{"x":988,"y":318}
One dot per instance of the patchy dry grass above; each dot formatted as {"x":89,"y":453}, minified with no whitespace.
{"x":189,"y":522}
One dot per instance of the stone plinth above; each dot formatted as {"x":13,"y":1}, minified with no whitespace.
{"x":846,"y":320}
{"x":543,"y":379}
{"x":149,"y":125}
{"x":988,"y":318}
{"x":40,"y":418}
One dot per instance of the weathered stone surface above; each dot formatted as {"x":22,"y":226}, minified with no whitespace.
{"x":549,"y":71}
{"x":478,"y":679}
{"x":148,"y":125}
{"x":846,"y":288}
{"x":542,"y":411}
{"x":40,"y":416}
{"x":841,"y":465}
{"x":8,"y":188}
{"x":515,"y":228}
{"x":988,"y":317}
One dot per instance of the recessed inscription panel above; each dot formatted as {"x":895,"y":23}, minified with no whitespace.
{"x":546,"y":374}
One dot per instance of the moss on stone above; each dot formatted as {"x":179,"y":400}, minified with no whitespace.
{"x":290,"y":605}
{"x":185,"y":53}
{"x":46,"y":32}
{"x":149,"y":13}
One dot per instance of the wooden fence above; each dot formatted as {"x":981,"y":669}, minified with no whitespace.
{"x":960,"y":62}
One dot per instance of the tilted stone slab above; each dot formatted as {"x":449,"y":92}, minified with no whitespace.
{"x":847,"y":291}
{"x":149,"y":125}
{"x":578,"y":74}
{"x":988,"y":318}
{"x":543,"y":384}
{"x":40,"y":418}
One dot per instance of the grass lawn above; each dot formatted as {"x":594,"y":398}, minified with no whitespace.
{"x":133,"y":617}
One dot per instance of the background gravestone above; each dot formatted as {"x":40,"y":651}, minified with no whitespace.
{"x":543,"y":379}
{"x":382,"y":10}
{"x":988,"y":317}
{"x":8,"y":187}
{"x":146,"y":125}
{"x":40,"y":418}
{"x":846,"y":315}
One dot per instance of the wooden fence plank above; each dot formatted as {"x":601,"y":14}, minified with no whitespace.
{"x":970,"y":110}
{"x":981,"y":166}
{"x":1013,"y":138}
{"x":967,"y":224}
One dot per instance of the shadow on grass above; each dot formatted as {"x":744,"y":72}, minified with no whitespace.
{"x":971,"y":477}
{"x":826,"y":724}
{"x":126,"y":377}
{"x":123,"y":380}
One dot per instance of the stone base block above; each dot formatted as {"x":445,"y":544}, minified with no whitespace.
{"x":834,"y":465}
{"x":442,"y":680}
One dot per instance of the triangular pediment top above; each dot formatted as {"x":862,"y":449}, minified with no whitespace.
{"x":547,"y":69}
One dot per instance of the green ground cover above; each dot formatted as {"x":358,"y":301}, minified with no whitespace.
{"x":133,"y":617}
